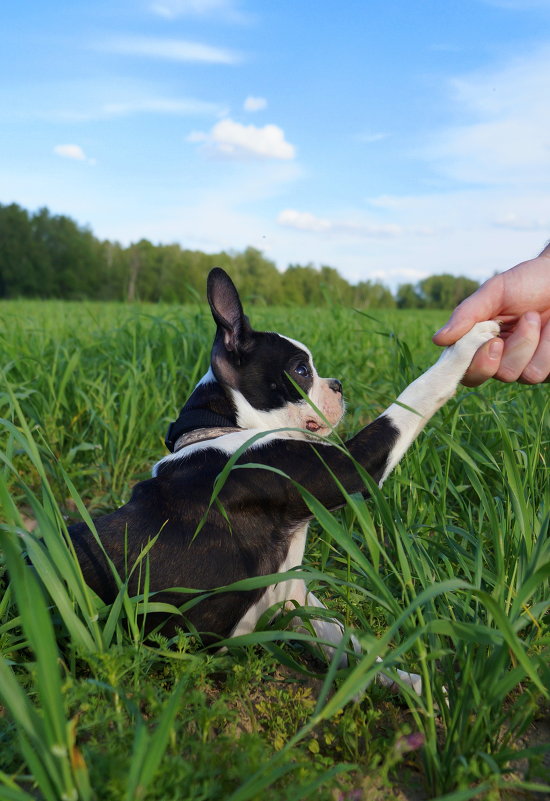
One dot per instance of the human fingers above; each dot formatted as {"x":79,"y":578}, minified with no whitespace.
{"x":485,"y":363}
{"x":538,"y":369}
{"x":519,"y":347}
{"x":484,"y":304}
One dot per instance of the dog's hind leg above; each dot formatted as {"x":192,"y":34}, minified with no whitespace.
{"x":330,"y":632}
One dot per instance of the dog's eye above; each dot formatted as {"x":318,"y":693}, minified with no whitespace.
{"x":302,"y":370}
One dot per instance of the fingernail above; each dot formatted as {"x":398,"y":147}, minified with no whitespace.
{"x":532,"y":318}
{"x":443,"y":330}
{"x":495,"y":349}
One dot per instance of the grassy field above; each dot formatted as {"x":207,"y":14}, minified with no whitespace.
{"x":445,"y":572}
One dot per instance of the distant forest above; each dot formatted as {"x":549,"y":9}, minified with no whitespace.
{"x":43,"y":255}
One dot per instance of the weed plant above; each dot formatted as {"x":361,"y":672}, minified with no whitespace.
{"x":445,"y":572}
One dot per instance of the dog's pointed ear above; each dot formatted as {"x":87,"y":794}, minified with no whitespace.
{"x":227,"y":310}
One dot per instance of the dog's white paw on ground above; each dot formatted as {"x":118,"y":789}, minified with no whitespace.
{"x":412,"y":680}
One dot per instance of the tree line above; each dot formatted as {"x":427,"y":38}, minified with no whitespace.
{"x":44,"y":255}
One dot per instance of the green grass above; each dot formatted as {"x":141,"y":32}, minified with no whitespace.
{"x":445,"y":571}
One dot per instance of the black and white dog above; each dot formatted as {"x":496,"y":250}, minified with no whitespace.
{"x":258,"y":382}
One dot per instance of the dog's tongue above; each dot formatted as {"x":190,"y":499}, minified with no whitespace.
{"x":311,"y":425}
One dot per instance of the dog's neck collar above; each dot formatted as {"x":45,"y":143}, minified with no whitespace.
{"x":195,"y":420}
{"x":202,"y":434}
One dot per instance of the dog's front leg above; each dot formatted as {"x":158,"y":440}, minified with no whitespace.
{"x":421,"y":399}
{"x":379,"y":446}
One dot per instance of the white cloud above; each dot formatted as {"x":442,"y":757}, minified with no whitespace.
{"x":370,"y":138}
{"x":255,"y":103}
{"x":507,"y":140}
{"x":225,"y":9}
{"x":170,"y":50}
{"x":160,"y":105}
{"x":357,"y":227}
{"x":399,"y":239}
{"x":234,"y":140}
{"x":476,"y":232}
{"x":516,"y":222}
{"x":303,"y":221}
{"x":80,"y":100}
{"x":74,"y":152}
{"x":394,"y":276}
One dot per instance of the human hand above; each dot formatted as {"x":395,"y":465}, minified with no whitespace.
{"x":519,"y":299}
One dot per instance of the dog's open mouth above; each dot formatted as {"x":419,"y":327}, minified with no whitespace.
{"x":313,"y":425}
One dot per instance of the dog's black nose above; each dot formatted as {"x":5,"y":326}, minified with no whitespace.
{"x":335,"y":385}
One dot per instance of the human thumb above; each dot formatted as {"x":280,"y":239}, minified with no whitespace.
{"x":484,"y":304}
{"x":458,"y":324}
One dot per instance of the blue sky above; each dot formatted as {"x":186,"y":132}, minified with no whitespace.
{"x":390,"y":139}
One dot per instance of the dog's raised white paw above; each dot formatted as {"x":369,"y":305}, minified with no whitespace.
{"x":467,"y":345}
{"x":478,"y":335}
